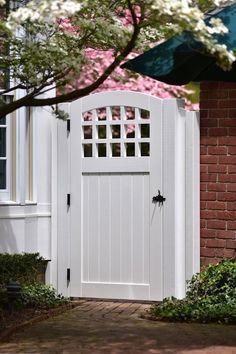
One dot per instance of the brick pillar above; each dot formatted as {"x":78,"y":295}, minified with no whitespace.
{"x":218,"y":171}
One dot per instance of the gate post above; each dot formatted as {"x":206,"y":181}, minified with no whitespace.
{"x":174,"y":190}
{"x":62,"y":209}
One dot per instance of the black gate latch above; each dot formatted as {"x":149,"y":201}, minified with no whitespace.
{"x":158,"y":199}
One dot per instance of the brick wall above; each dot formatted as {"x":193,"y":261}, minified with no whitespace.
{"x":218,"y":170}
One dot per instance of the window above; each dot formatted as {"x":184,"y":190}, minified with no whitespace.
{"x":16,"y":156}
{"x":5,"y":186}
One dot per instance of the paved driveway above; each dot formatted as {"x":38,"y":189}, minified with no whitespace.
{"x":114,"y":327}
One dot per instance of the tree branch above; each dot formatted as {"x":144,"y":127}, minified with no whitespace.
{"x":30,"y":100}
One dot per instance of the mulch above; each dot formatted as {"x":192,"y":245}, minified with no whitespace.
{"x":12,"y":320}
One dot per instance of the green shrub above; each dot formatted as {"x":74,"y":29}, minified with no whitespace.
{"x":211,"y":297}
{"x":23,"y":268}
{"x":41,"y":296}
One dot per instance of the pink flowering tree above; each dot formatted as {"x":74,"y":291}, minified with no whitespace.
{"x":47,"y":54}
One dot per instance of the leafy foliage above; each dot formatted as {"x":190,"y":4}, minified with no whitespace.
{"x":23,"y":268}
{"x":211,"y":297}
{"x":45,"y":42}
{"x":41,"y":296}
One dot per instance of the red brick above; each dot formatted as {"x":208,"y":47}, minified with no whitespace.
{"x":203,"y":205}
{"x":226,"y":215}
{"x":208,"y":104}
{"x":230,"y":103}
{"x":217,"y":187}
{"x":203,"y":169}
{"x":218,"y":94}
{"x":203,"y":150}
{"x":230,"y":160}
{"x":205,"y":261}
{"x":227,"y":140}
{"x":232,"y":113}
{"x":207,"y":196}
{"x":232,"y":169}
{"x":231,"y":187}
{"x":231,"y":131}
{"x":216,"y":205}
{"x":217,"y":150}
{"x":208,"y":214}
{"x":227,"y":178}
{"x":207,"y":252}
{"x":202,"y":242}
{"x":205,"y":233}
{"x":232,"y":93}
{"x":226,"y":196}
{"x":227,"y":85}
{"x":225,"y":234}
{"x":232,"y":151}
{"x":231,"y":206}
{"x":208,"y":159}
{"x":212,"y":85}
{"x":216,"y":224}
{"x":203,"y":131}
{"x":212,"y":122}
{"x":208,"y":140}
{"x":227,"y":122}
{"x":217,"y":168}
{"x":231,"y":244}
{"x":215,"y":243}
{"x":228,"y":253}
{"x":204,"y":113}
{"x":217,"y":131}
{"x":219,"y":252}
{"x":218,"y":113}
{"x":203,"y":187}
{"x":205,"y":177}
{"x":231,"y":225}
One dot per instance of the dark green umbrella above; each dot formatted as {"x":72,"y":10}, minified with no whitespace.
{"x":180,"y":59}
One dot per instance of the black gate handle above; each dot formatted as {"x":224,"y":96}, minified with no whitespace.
{"x":158,"y":198}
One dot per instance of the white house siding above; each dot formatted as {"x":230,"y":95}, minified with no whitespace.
{"x":29,"y":227}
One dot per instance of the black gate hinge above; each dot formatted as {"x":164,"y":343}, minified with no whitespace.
{"x":68,"y":274}
{"x":68,"y":125}
{"x":68,"y":199}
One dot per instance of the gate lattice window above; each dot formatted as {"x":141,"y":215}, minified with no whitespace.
{"x":116,"y":132}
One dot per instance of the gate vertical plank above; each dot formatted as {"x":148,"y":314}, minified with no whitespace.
{"x":115,"y":241}
{"x":140,"y":236}
{"x":126,"y":228}
{"x":94,"y":228}
{"x":76,"y":198}
{"x":86,"y":222}
{"x":105,"y":227}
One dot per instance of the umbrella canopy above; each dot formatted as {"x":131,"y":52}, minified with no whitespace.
{"x":179,"y":60}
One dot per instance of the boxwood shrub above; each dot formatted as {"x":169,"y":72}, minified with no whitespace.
{"x":211,"y":297}
{"x":23,"y":268}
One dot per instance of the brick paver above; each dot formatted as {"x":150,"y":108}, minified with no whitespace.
{"x":116,"y":327}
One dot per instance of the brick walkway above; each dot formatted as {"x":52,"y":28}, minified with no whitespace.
{"x":116,"y":327}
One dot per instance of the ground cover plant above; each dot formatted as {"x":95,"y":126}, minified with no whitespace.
{"x":35,"y":297}
{"x":211,"y":297}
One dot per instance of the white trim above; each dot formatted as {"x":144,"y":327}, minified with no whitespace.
{"x":192,"y":194}
{"x":6,"y":193}
{"x":20,"y":151}
{"x":24,"y":216}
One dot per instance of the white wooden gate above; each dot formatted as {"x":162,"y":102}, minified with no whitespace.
{"x":114,"y":241}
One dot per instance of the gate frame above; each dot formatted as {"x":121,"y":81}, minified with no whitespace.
{"x":180,"y":181}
